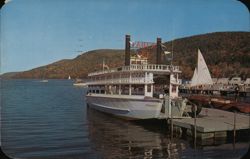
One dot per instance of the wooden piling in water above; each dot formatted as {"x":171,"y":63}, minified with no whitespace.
{"x":234,"y":136}
{"x":195,"y":135}
{"x":172,"y":125}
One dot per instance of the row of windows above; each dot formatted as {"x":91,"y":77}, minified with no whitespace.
{"x":124,"y":89}
{"x":116,"y":76}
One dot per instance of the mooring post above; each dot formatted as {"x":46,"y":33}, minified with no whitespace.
{"x":172,"y":126}
{"x":234,"y":136}
{"x":195,"y":108}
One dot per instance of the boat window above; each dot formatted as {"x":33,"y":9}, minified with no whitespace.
{"x":174,"y":89}
{"x":116,"y":89}
{"x":137,"y":89}
{"x":149,"y":88}
{"x":119,"y":69}
{"x":125,"y":89}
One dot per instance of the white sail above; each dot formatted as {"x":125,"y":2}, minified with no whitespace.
{"x":201,"y":74}
{"x":194,"y":78}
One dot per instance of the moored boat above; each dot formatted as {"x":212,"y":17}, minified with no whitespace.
{"x":80,"y":83}
{"x":44,"y":81}
{"x":220,"y":103}
{"x":138,"y":90}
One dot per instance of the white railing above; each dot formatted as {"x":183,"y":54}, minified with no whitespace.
{"x":138,"y":80}
{"x":149,"y":67}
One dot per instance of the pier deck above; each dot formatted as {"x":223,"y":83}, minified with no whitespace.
{"x":214,"y":120}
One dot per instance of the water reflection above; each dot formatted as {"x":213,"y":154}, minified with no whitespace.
{"x":116,"y":138}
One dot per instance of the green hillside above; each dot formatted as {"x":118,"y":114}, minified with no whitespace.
{"x":77,"y":67}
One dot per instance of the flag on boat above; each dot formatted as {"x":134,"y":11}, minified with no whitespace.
{"x":104,"y":65}
{"x":163,"y":46}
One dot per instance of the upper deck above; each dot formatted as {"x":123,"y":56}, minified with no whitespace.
{"x":154,"y":68}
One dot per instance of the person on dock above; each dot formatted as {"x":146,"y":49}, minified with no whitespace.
{"x":236,"y":92}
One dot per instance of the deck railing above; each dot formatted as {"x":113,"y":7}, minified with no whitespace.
{"x":149,"y":67}
{"x":137,"y":80}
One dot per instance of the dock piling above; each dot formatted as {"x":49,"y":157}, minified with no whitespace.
{"x":234,"y":136}
{"x":195,"y":135}
{"x":172,"y":125}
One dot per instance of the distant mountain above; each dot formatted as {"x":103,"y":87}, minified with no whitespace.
{"x":227,"y":54}
{"x":77,"y":67}
{"x":8,"y":75}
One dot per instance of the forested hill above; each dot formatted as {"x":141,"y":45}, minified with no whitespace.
{"x":227,"y":54}
{"x":77,"y":67}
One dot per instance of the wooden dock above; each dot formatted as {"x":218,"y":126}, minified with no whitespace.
{"x":214,"y":123}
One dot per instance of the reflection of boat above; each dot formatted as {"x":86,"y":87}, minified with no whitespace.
{"x":138,"y":90}
{"x":119,"y":139}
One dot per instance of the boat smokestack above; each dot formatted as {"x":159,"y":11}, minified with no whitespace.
{"x":158,"y":51}
{"x":127,"y":50}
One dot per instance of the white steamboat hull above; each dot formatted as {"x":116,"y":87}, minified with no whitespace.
{"x":128,"y":107}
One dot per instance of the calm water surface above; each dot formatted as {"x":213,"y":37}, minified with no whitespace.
{"x":51,"y":120}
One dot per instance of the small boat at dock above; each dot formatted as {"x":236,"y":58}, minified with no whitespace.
{"x":221,"y":103}
{"x":80,"y":83}
{"x":44,"y":81}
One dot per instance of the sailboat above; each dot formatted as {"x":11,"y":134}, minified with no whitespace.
{"x":69,"y":78}
{"x":43,"y":79}
{"x":201,"y":74}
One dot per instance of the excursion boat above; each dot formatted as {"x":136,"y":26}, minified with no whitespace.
{"x":138,"y":90}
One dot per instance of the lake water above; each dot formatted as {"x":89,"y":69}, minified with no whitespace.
{"x":50,"y":120}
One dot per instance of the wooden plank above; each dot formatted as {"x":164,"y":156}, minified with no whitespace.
{"x":214,"y":120}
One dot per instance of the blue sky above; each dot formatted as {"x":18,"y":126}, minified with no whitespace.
{"x":39,"y":32}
